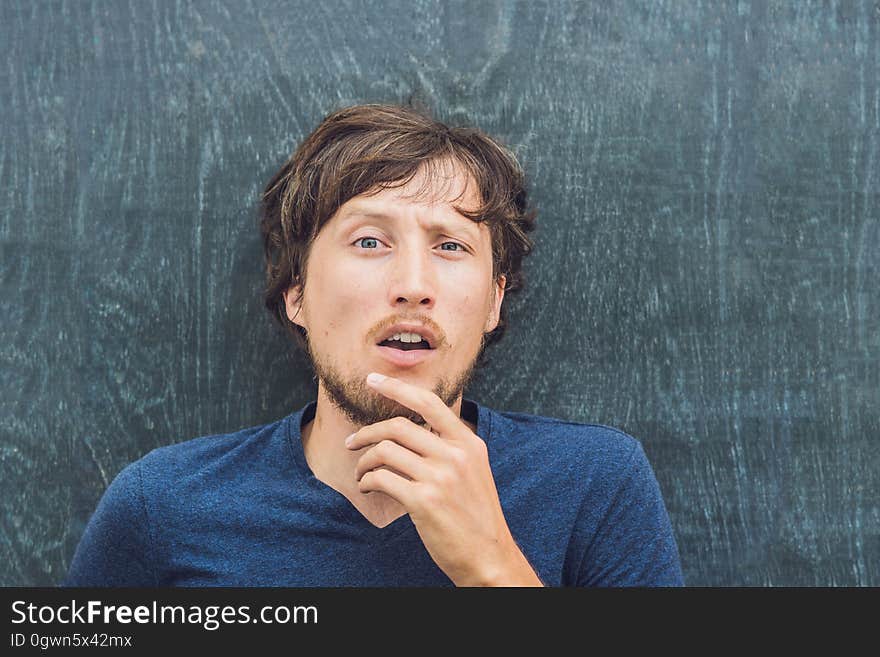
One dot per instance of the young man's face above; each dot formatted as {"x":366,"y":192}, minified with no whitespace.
{"x":367,"y":272}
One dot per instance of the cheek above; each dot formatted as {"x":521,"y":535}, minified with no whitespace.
{"x":341,"y":295}
{"x":464,"y":304}
{"x":360,"y":296}
{"x":470,"y":311}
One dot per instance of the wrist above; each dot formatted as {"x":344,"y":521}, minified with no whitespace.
{"x":512,"y":569}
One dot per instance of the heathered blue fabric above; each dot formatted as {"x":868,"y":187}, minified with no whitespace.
{"x":244,"y":509}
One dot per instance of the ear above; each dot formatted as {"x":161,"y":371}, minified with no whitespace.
{"x":495,"y":313}
{"x":293,"y":305}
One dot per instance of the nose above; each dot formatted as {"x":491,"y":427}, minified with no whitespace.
{"x":413,"y":278}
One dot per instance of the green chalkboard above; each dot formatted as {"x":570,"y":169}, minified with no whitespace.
{"x":705,"y":274}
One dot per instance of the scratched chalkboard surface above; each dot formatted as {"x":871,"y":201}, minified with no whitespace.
{"x":705,"y":278}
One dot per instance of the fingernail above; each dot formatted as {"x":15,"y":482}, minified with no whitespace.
{"x":349,"y":440}
{"x":374,"y":377}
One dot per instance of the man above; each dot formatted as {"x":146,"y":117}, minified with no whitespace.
{"x":390,"y":241}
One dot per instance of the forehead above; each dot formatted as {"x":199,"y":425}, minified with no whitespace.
{"x":432,"y":192}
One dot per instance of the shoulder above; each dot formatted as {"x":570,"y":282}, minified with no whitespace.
{"x":198,"y":466}
{"x":566,"y":439}
{"x":620,"y":533}
{"x":125,"y":541}
{"x":578,"y":460}
{"x":200,"y":452}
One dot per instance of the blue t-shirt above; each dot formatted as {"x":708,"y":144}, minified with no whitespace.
{"x":245,"y":509}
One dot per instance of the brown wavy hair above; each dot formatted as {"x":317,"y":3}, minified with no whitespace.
{"x":367,"y":148}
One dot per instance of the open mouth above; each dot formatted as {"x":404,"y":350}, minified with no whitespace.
{"x":404,"y":346}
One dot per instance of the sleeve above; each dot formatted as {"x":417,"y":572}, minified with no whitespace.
{"x":115,"y":549}
{"x":633,"y":544}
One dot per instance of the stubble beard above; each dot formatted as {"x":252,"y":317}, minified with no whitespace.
{"x":362,"y":405}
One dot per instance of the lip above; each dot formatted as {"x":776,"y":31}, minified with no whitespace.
{"x":405,"y":359}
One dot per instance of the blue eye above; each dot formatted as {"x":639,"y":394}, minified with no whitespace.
{"x":373,"y":239}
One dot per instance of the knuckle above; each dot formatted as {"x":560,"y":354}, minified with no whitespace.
{"x":458,"y":457}
{"x":445,"y":479}
{"x":430,"y":496}
{"x":400,"y":423}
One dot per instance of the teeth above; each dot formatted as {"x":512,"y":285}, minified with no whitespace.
{"x":407,"y":337}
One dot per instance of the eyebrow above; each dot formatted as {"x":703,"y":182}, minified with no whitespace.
{"x":436,"y":225}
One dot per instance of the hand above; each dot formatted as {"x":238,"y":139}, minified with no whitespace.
{"x":446,"y":484}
